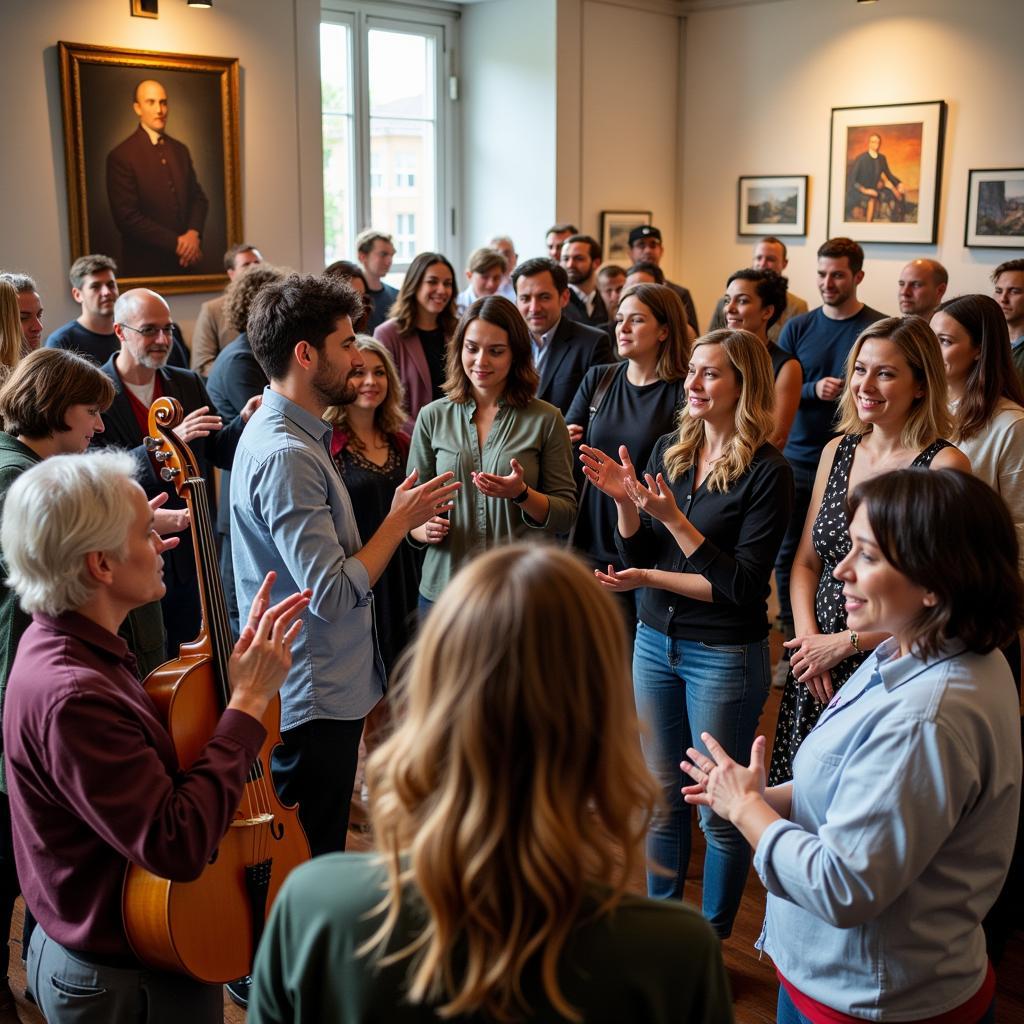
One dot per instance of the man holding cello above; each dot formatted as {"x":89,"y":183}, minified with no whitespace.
{"x":94,"y":780}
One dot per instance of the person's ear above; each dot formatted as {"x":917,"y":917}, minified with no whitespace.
{"x":98,"y":564}
{"x":930,"y":599}
{"x":303,"y":352}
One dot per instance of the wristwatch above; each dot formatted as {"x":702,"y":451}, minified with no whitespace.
{"x":520,"y":498}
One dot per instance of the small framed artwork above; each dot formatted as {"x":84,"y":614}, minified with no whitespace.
{"x":145,"y":8}
{"x":615,"y":228}
{"x":885,"y":171}
{"x":772,"y":205}
{"x":995,"y":209}
{"x":152,"y":148}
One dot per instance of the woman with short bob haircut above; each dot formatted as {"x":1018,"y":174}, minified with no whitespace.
{"x":509,"y":450}
{"x":892,"y":415}
{"x":895,"y":834}
{"x":422,"y":322}
{"x":699,"y":538}
{"x":508,"y":814}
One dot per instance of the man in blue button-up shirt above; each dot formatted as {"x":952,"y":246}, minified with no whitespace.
{"x":290,"y":512}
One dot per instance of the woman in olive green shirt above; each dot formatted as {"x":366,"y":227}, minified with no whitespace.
{"x":511,"y":451}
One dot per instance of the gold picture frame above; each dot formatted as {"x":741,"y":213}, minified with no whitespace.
{"x":109,"y":168}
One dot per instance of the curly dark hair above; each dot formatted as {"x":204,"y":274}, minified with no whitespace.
{"x":770,"y":286}
{"x":244,"y":288}
{"x":949,"y":532}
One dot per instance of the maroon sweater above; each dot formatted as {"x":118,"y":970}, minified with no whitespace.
{"x":94,"y":781}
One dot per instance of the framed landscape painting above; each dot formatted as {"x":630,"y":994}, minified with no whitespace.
{"x":772,"y":205}
{"x":615,"y":228}
{"x":995,"y":209}
{"x":885,"y":172}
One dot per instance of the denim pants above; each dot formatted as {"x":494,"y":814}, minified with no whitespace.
{"x":684,"y":688}
{"x":787,"y":1013}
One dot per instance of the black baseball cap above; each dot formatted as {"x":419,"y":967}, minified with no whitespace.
{"x":644,"y":231}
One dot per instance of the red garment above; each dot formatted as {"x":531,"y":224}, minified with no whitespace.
{"x":94,"y":782}
{"x":141,"y":411}
{"x":969,"y":1012}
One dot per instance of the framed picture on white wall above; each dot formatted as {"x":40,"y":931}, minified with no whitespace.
{"x":772,"y":205}
{"x":615,"y":228}
{"x":885,"y":172}
{"x":995,"y":208}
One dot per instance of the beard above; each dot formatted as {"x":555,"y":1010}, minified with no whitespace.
{"x":331,"y":390}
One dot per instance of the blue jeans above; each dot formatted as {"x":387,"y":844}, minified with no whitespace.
{"x":684,"y":688}
{"x":787,"y":1013}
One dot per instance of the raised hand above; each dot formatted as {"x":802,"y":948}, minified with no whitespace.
{"x":606,"y":474}
{"x":654,"y":497}
{"x":198,"y":423}
{"x":720,"y":782}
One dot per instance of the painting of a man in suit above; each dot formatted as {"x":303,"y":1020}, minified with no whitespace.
{"x":156,"y":200}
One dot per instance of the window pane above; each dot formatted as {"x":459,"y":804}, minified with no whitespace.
{"x":339,"y":154}
{"x":402,"y":77}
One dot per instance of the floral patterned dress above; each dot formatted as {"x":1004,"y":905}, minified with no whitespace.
{"x":799,"y":711}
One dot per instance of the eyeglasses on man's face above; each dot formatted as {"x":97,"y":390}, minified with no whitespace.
{"x":150,"y":331}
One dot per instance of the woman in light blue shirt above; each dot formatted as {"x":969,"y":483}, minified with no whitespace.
{"x":886,"y":850}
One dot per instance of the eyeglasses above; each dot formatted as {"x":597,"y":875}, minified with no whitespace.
{"x":149,"y":332}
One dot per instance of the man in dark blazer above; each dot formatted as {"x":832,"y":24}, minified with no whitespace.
{"x":581,"y":257}
{"x":155,"y":198}
{"x":563,"y":349}
{"x":142,"y":322}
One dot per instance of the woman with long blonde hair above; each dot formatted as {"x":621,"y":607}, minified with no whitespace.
{"x":700,"y":537}
{"x":508,"y":815}
{"x":892,"y":415}
{"x":11,"y":343}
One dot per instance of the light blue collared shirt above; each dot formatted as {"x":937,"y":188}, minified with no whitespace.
{"x":290,"y":512}
{"x":541,"y":347}
{"x":905,"y":798}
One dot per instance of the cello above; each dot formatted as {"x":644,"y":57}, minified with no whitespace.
{"x":209,"y":928}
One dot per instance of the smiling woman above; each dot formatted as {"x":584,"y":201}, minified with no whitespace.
{"x":892,"y":415}
{"x":895,"y":835}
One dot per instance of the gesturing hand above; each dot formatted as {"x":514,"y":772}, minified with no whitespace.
{"x":654,"y":497}
{"x":605,"y":473}
{"x":263,"y":654}
{"x":168,"y":520}
{"x":198,"y":423}
{"x":413,"y":505}
{"x":623,"y":580}
{"x":250,"y":407}
{"x":494,"y":486}
{"x":437,"y":529}
{"x":720,"y":782}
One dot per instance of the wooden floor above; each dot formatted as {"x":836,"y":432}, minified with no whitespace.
{"x":754,"y":986}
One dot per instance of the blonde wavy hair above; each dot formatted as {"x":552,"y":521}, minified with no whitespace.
{"x":11,"y":342}
{"x":754,"y":416}
{"x":390,"y":414}
{"x":929,"y":417}
{"x":488,"y":809}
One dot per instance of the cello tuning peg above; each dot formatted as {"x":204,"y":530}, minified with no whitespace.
{"x":161,"y":456}
{"x":151,"y":443}
{"x":168,"y":473}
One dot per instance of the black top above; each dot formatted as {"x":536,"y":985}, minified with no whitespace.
{"x":742,"y":531}
{"x":630,"y":414}
{"x":395,"y":594}
{"x":435,"y":351}
{"x":778,"y":358}
{"x":382,"y":301}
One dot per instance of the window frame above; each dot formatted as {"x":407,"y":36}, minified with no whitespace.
{"x":438,"y":21}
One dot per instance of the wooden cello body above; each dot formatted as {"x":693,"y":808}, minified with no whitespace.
{"x":209,"y":928}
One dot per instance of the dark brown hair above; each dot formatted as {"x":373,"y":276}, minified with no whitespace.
{"x":403,"y":312}
{"x":522,"y":381}
{"x":667,"y":308}
{"x":236,"y":250}
{"x":950,"y":533}
{"x":44,"y":385}
{"x":94,"y":263}
{"x":993,"y":375}
{"x":837,"y":248}
{"x":1006,"y":267}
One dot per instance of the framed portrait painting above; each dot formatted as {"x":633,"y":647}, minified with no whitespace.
{"x":152,"y":152}
{"x":615,"y":228}
{"x":772,"y":205}
{"x":885,"y":172}
{"x":995,"y":209}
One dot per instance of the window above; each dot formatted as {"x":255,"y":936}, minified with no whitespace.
{"x":388,"y":131}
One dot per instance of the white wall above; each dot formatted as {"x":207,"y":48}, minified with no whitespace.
{"x":760,"y":82}
{"x":279,"y":212}
{"x":507,"y":71}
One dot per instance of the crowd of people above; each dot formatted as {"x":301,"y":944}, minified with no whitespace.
{"x":534,"y":714}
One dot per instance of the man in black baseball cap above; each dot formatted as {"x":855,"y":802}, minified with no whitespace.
{"x":645,"y":247}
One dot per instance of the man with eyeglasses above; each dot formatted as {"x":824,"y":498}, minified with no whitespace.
{"x":140,"y":374}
